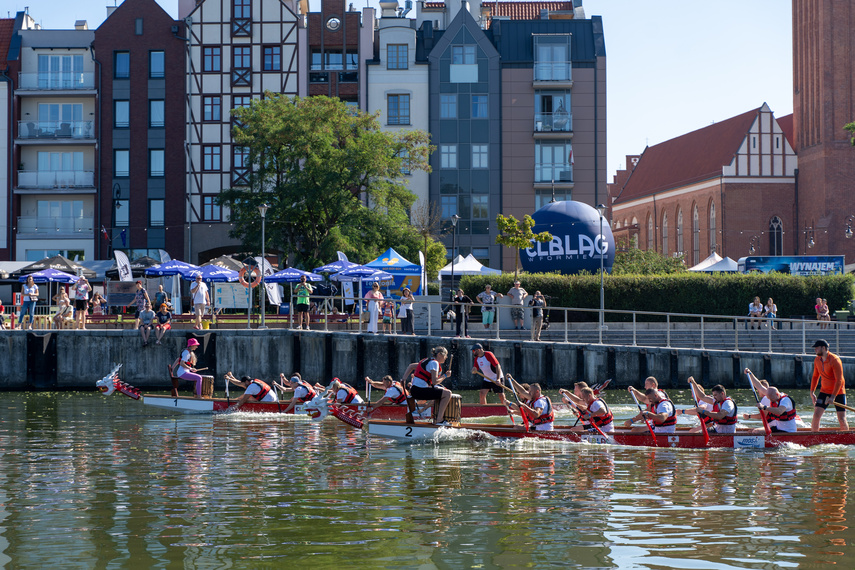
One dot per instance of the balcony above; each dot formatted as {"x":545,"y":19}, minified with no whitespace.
{"x":547,"y":173}
{"x":50,"y":131}
{"x":58,"y":81}
{"x":56,"y":180}
{"x":561,"y":122}
{"x":553,"y":74}
{"x":50,"y":227}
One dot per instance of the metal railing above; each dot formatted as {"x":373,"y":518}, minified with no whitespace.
{"x":55,"y":130}
{"x":56,"y":178}
{"x":53,"y":227}
{"x":58,"y":81}
{"x":553,"y":122}
{"x":553,"y":172}
{"x":553,"y":71}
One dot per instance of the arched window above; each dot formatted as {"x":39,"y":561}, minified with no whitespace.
{"x":776,"y":236}
{"x":680,"y":231}
{"x":696,"y":236}
{"x":650,"y":234}
{"x":617,"y":224}
{"x":713,"y":242}
{"x":635,"y":225}
{"x":664,"y":233}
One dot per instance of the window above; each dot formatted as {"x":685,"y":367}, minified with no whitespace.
{"x":552,"y":111}
{"x":61,"y":120}
{"x":155,"y":163}
{"x":650,"y":234}
{"x":462,"y":55}
{"x":156,"y":64}
{"x":448,"y":205}
{"x":156,"y":113}
{"x":272,"y":58}
{"x":211,"y":108}
{"x":121,"y":163}
{"x":553,"y":162}
{"x":396,"y":56}
{"x":121,"y":213}
{"x":242,"y":18}
{"x":155,"y":212}
{"x":713,"y":243}
{"x":241,"y":65}
{"x":63,"y":72}
{"x":404,"y":154}
{"x":776,"y":236}
{"x":211,"y":158}
{"x":121,"y":65}
{"x":211,"y":58}
{"x":680,"y":231}
{"x":544,"y":197}
{"x":121,"y":114}
{"x":238,"y":102}
{"x":664,"y":234}
{"x":448,"y":106}
{"x":696,"y":236}
{"x":240,"y":166}
{"x":480,"y":207}
{"x":479,"y":106}
{"x":210,"y":209}
{"x":552,"y":57}
{"x":479,"y":156}
{"x":448,"y":156}
{"x":399,"y":110}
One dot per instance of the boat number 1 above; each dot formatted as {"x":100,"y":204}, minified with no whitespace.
{"x":409,"y":432}
{"x":176,"y":402}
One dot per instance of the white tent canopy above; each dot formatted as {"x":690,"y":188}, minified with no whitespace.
{"x":467,"y":266}
{"x":711,"y":260}
{"x":715,"y":262}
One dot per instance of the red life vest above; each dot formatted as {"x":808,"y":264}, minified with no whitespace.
{"x":422,"y":372}
{"x":785,"y":416}
{"x":726,"y":420}
{"x":265,"y":389}
{"x":401,"y":397}
{"x":672,"y":417}
{"x":545,"y":417}
{"x":605,"y":420}
{"x":351,"y":393}
{"x":309,"y":395}
{"x":652,"y":407}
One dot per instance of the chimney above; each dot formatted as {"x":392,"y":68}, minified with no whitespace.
{"x":81,"y":25}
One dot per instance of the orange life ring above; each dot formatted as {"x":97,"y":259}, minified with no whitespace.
{"x":242,"y":278}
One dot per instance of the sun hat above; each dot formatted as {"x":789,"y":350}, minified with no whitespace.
{"x":192,"y":342}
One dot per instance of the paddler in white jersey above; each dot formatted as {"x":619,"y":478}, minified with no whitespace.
{"x":255,"y":390}
{"x":303,"y":392}
{"x":393,"y":392}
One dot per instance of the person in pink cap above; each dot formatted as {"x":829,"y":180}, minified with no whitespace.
{"x":186,"y":366}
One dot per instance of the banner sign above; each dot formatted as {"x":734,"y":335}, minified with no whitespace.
{"x":794,"y":264}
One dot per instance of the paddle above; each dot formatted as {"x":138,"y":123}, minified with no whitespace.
{"x":576,"y":409}
{"x":497,"y":383}
{"x":411,"y":403}
{"x":701,"y":420}
{"x":641,"y":411}
{"x":757,"y":399}
{"x":844,"y":406}
{"x":517,"y":398}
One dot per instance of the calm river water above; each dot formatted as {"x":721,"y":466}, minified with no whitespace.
{"x":94,"y":482}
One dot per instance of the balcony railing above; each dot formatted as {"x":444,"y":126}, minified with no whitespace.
{"x":553,"y":71}
{"x":50,"y":226}
{"x":55,"y":130}
{"x":556,"y":122}
{"x":549,"y":172}
{"x":56,"y":178}
{"x":59,"y":81}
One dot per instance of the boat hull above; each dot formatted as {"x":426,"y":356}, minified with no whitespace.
{"x":682,"y":439}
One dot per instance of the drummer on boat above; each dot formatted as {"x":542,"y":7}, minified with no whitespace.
{"x":393,"y":395}
{"x":662,"y":417}
{"x":427,"y":376}
{"x":718,"y":409}
{"x":255,"y":390}
{"x":186,"y":366}
{"x":780,"y":409}
{"x":486,"y":365}
{"x":592,"y":408}
{"x":537,"y":409}
{"x":303,"y":392}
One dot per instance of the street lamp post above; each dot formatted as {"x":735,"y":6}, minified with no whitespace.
{"x":751,"y":248}
{"x":601,"y":209}
{"x":454,"y":219}
{"x":262,"y":209}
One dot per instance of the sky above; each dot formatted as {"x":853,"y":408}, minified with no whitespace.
{"x":673,"y":66}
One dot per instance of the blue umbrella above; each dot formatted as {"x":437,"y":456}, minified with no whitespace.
{"x":50,"y":275}
{"x":211,"y":273}
{"x":172,"y":267}
{"x":362,"y":272}
{"x":335,"y":267}
{"x":291,"y":275}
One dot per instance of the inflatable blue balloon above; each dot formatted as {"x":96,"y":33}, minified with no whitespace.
{"x":576,"y":240}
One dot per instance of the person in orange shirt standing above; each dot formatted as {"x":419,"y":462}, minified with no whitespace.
{"x":828,"y":372}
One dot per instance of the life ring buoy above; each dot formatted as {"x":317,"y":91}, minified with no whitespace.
{"x":255,"y":282}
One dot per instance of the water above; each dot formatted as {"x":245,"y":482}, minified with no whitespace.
{"x":94,"y":482}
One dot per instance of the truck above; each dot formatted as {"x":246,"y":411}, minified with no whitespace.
{"x":794,"y":264}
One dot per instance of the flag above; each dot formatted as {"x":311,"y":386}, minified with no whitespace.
{"x":341,"y":256}
{"x":164,"y":256}
{"x":124,"y":236}
{"x":123,"y":265}
{"x":570,"y":158}
{"x":105,"y":234}
{"x":272,"y":288}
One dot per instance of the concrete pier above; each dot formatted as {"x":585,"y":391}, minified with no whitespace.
{"x":61,"y":360}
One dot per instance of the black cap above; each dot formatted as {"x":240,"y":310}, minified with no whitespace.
{"x":477,"y":346}
{"x":820,"y":342}
{"x":245,"y":379}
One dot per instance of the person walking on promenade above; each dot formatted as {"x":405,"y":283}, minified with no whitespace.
{"x":517,"y":295}
{"x":462,"y":303}
{"x":828,"y":373}
{"x":488,"y":299}
{"x":201,"y":300}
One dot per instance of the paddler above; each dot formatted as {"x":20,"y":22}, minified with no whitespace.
{"x":426,"y":381}
{"x":779,"y":408}
{"x":828,"y":373}
{"x":303,"y":392}
{"x":255,"y":390}
{"x":393,"y":394}
{"x":649,"y":382}
{"x":592,"y":408}
{"x":719,"y":408}
{"x":487,"y":366}
{"x":538,"y":410}
{"x":662,"y":417}
{"x":343,"y":393}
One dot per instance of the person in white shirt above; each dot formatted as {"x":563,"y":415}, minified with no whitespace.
{"x":201,"y":300}
{"x":718,"y":409}
{"x":255,"y":390}
{"x":592,"y":409}
{"x":663,"y":416}
{"x":394,"y":393}
{"x":779,"y":408}
{"x":539,"y":413}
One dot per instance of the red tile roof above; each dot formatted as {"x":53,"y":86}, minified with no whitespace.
{"x":515,"y":10}
{"x":7,"y":26}
{"x":687,"y":159}
{"x":786,"y":124}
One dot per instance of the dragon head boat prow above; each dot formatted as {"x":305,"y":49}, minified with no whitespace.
{"x":318,"y":407}
{"x":111,"y":383}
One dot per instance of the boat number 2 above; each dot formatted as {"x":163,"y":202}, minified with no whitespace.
{"x":409,"y":432}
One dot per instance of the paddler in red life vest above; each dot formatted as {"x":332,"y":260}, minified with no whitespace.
{"x":303,"y":392}
{"x":662,"y":418}
{"x":393,"y":394}
{"x":594,"y":410}
{"x":426,"y":381}
{"x":538,"y":410}
{"x":649,"y":382}
{"x":343,"y":393}
{"x":255,"y":390}
{"x":780,"y":409}
{"x":487,"y":365}
{"x":718,"y":409}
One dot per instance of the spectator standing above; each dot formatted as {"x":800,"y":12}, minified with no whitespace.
{"x":160,"y":297}
{"x":488,"y":298}
{"x":388,"y":306}
{"x":462,"y":304}
{"x":302,"y":305}
{"x":30,"y":294}
{"x":406,"y":311}
{"x":373,"y":297}
{"x":140,"y":299}
{"x":201,"y":300}
{"x":517,"y":295}
{"x":537,"y":303}
{"x":97,"y":306}
{"x":81,"y":301}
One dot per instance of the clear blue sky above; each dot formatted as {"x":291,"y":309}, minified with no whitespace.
{"x":674,"y":66}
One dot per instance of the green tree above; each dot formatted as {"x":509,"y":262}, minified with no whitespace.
{"x":331,"y":177}
{"x":631,"y":260}
{"x":518,"y":235}
{"x":851,"y":128}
